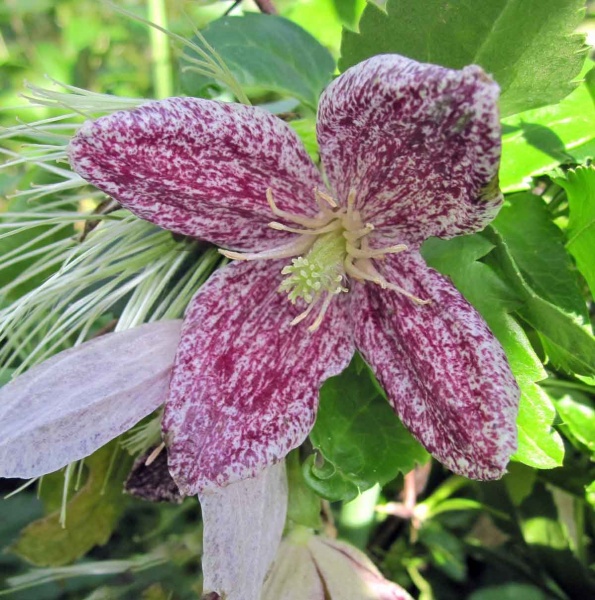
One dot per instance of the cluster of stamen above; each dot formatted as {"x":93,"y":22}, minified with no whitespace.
{"x":328,"y":249}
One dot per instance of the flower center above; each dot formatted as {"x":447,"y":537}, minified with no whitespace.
{"x":329,"y":248}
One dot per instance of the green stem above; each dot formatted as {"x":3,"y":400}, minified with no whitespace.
{"x":357,"y":517}
{"x":162,"y":69}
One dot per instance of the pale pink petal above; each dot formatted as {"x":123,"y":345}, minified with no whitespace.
{"x":72,"y":404}
{"x":445,"y":374}
{"x":245,"y":385}
{"x":294,"y":575}
{"x":199,"y":168}
{"x":419,"y":144}
{"x":348,"y":574}
{"x":243,"y":524}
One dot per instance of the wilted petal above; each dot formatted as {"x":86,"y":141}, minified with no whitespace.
{"x":243,"y":524}
{"x":77,"y":401}
{"x":419,"y":144}
{"x":444,"y":373}
{"x":245,"y":385}
{"x":150,"y":479}
{"x":349,"y":574}
{"x":199,"y":168}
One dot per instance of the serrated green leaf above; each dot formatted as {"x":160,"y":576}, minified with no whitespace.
{"x":537,"y":246}
{"x":537,"y":141}
{"x":539,"y":445}
{"x":527,"y":45}
{"x":557,"y":326}
{"x":266,"y":52}
{"x":359,"y":439}
{"x":91,"y":515}
{"x":536,"y":414}
{"x":580,"y":190}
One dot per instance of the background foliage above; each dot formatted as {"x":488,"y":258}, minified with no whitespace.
{"x":531,"y":275}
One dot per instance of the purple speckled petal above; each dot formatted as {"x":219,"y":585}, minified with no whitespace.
{"x":245,"y":385}
{"x":445,"y":374}
{"x":243,"y":524}
{"x":199,"y":168}
{"x":75,"y":402}
{"x":419,"y":144}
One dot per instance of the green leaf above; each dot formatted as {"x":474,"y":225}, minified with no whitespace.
{"x":303,"y":505}
{"x":590,"y":83}
{"x":539,"y":445}
{"x":519,"y":482}
{"x":580,"y":189}
{"x":537,"y":246}
{"x":562,"y":329}
{"x":527,"y":45}
{"x":548,"y":539}
{"x":306,"y":130}
{"x":590,"y":494}
{"x":324,"y":18}
{"x":578,"y":414}
{"x":266,"y":52}
{"x":358,"y":438}
{"x":446,"y":550}
{"x":91,"y":515}
{"x":536,"y":141}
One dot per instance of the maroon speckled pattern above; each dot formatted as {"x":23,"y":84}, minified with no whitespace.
{"x":245,"y":384}
{"x":199,"y":168}
{"x":443,"y":371}
{"x":420,"y":145}
{"x":417,"y":142}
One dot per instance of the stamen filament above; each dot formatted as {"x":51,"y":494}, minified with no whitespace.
{"x":296,"y":247}
{"x":351,"y":200}
{"x":360,"y":253}
{"x":332,"y":226}
{"x":320,"y":317}
{"x":369,"y":273}
{"x":303,"y":315}
{"x":352,"y":236}
{"x":304,"y":221}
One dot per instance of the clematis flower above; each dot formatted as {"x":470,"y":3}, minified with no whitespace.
{"x":309,"y":567}
{"x":409,"y":151}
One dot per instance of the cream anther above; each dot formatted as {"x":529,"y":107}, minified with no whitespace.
{"x":324,"y":196}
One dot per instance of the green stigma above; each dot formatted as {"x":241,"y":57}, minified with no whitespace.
{"x":320,"y":271}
